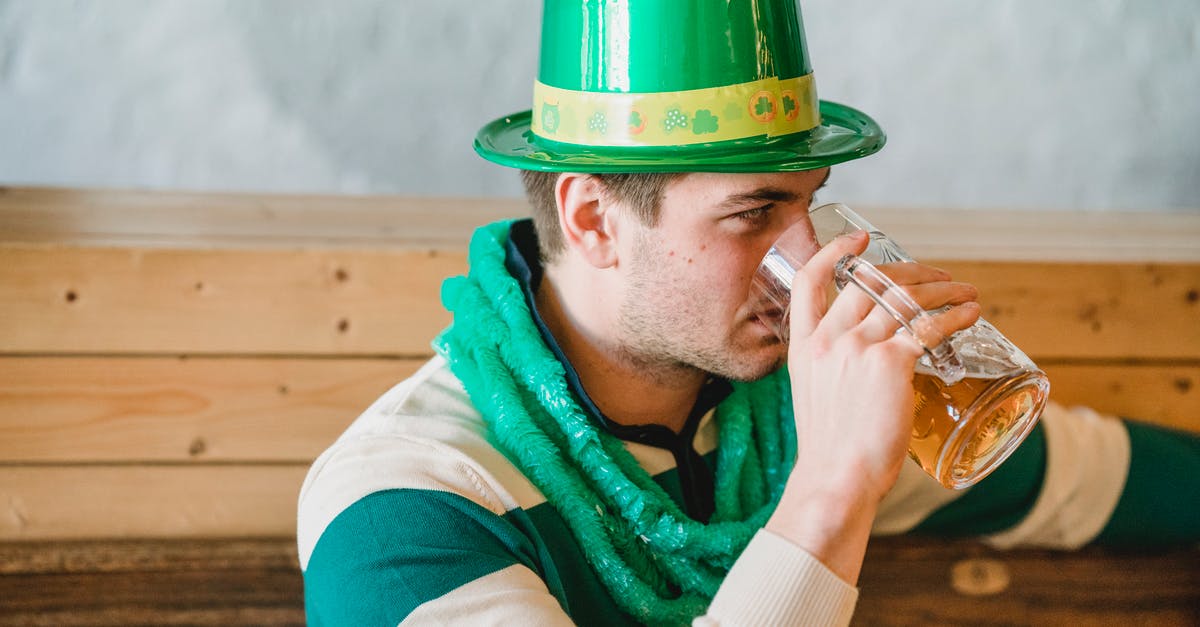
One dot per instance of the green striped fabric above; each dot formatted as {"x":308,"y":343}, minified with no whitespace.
{"x":397,"y":549}
{"x":1160,"y":504}
{"x":400,"y":548}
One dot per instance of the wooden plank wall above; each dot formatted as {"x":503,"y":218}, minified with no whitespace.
{"x":171,"y":363}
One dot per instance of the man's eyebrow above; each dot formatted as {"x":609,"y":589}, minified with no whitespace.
{"x":771,"y":194}
{"x":765,"y":194}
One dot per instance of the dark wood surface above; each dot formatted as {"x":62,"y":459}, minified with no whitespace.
{"x":924,"y":581}
{"x":151,"y":582}
{"x":906,"y":581}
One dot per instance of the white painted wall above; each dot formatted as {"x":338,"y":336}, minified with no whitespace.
{"x":1090,"y":104}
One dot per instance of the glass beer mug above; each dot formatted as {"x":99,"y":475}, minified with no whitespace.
{"x":976,"y":394}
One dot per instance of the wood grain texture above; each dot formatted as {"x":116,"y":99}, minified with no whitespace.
{"x":66,"y":300}
{"x":1163,"y":395}
{"x":72,"y":300}
{"x":193,"y":410}
{"x":220,"y":220}
{"x":126,"y":217}
{"x":203,"y":409}
{"x":143,"y":554}
{"x":907,"y":581}
{"x":151,"y":582}
{"x":148,"y":501}
{"x":239,"y":596}
{"x":1090,"y":311}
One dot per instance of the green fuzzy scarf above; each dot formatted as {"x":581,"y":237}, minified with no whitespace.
{"x":659,"y":565}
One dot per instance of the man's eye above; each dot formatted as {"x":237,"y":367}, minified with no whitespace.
{"x":754,"y":216}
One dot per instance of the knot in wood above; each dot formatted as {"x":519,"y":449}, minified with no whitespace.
{"x":979,"y":577}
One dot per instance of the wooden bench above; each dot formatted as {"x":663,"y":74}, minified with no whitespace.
{"x":170,"y":363}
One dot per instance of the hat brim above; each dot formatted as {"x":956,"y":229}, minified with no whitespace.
{"x":845,"y":133}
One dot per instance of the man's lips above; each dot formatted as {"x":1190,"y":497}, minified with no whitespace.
{"x":769,"y":320}
{"x":773,"y":314}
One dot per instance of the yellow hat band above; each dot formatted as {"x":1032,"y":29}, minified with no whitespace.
{"x":769,"y":107}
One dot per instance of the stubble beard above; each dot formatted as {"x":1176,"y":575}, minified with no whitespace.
{"x":663,"y":334}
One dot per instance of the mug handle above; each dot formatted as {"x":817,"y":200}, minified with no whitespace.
{"x":912,"y":318}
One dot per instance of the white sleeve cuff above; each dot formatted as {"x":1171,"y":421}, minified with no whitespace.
{"x":775,"y":582}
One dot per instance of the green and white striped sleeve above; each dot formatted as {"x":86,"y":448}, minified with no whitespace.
{"x":1080,"y":477}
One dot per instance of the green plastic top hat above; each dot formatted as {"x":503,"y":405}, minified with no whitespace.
{"x":676,"y":86}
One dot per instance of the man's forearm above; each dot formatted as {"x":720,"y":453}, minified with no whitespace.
{"x":832,"y":526}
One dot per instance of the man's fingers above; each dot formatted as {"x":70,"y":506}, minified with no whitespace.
{"x":809,"y":285}
{"x":957,"y":318}
{"x":930,"y":287}
{"x":879,"y":325}
{"x":910,"y":272}
{"x":849,"y":308}
{"x":941,"y":294}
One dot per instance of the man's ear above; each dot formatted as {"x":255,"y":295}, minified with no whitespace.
{"x":587,"y":219}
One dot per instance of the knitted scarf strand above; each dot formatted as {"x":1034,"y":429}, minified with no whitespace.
{"x":659,"y":565}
